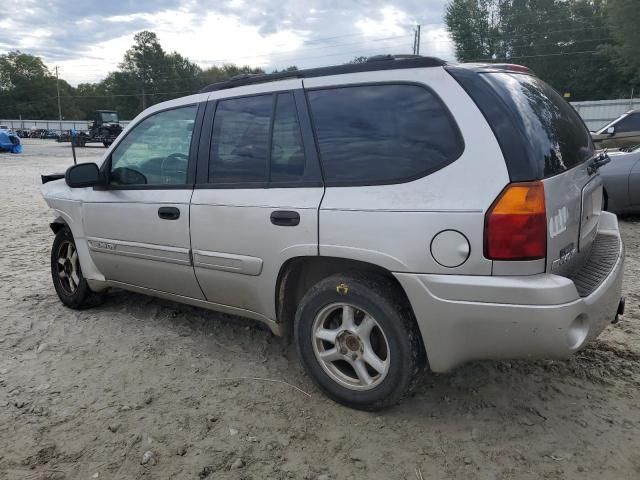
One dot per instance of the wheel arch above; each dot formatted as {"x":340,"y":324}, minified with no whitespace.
{"x":58,"y":224}
{"x":297,"y":275}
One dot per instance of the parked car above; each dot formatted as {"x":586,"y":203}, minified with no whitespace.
{"x":621,"y":179}
{"x":390,"y":215}
{"x":48,"y":134}
{"x":624,"y":131}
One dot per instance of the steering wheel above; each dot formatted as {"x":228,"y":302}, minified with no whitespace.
{"x":180,"y":159}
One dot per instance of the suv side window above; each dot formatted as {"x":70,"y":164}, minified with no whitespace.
{"x":156,"y":150}
{"x":631,"y":123}
{"x":382,"y":134}
{"x":240,"y":140}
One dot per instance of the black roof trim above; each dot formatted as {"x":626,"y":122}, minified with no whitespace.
{"x":379,"y":62}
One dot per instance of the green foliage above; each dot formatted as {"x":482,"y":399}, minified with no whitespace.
{"x":624,"y":22}
{"x":25,"y":80}
{"x":27,"y":87}
{"x":565,"y":42}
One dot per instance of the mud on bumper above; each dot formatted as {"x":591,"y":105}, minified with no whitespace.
{"x":463,"y":318}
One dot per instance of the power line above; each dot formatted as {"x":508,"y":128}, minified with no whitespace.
{"x":533,"y":56}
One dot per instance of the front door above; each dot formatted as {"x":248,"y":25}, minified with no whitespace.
{"x":137,"y":227}
{"x":256,"y":202}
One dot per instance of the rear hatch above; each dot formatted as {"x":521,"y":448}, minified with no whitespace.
{"x":543,"y":138}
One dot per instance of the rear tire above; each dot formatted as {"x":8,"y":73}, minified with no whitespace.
{"x":358,"y":340}
{"x":71,"y":286}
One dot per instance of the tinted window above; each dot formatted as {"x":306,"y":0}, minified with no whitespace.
{"x":382,"y":133}
{"x":156,"y":150}
{"x":630,"y":123}
{"x":287,"y":151}
{"x":556,"y":138}
{"x":240,"y":141}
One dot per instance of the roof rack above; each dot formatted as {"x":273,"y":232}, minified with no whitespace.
{"x":375,"y":63}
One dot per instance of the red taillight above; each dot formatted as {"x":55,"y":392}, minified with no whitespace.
{"x":516,"y":224}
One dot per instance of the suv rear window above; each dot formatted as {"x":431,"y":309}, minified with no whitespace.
{"x":540,"y":134}
{"x":381,"y":134}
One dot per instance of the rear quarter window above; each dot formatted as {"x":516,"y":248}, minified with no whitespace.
{"x":382,"y":134}
{"x":554,"y":135}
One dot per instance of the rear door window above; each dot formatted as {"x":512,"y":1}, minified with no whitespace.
{"x":240,"y":141}
{"x":382,"y":134}
{"x":257,"y":142}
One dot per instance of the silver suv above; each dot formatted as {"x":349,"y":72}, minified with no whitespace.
{"x":389,"y":215}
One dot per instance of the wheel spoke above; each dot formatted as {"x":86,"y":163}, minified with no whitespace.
{"x":72,"y":284}
{"x":75,"y":278}
{"x":62,"y":274}
{"x":61,"y":262}
{"x":373,"y":360}
{"x":74,"y":258}
{"x":361,"y":370}
{"x":364,"y":329}
{"x":327,"y":335}
{"x":347,"y":317}
{"x":331,"y":355}
{"x":70,"y":251}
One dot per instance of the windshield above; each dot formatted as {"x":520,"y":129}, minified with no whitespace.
{"x":603,"y":129}
{"x":109,"y":117}
{"x":556,"y":137}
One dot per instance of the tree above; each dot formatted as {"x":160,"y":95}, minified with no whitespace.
{"x":220,"y":74}
{"x":624,"y":21}
{"x":563,"y":41}
{"x":27,"y":87}
{"x":474,"y":28}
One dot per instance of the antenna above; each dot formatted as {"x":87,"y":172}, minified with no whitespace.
{"x":74,"y":134}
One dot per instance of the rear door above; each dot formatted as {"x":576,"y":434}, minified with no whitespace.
{"x":256,"y":201}
{"x":137,"y":226}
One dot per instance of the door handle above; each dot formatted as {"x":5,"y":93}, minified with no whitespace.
{"x":169,"y":213}
{"x":285,"y":218}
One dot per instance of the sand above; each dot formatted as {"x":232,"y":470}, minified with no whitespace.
{"x":87,"y":394}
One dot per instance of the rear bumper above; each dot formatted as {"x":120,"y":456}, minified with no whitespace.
{"x":463,"y":318}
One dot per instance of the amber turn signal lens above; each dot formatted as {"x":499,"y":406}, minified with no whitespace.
{"x":516,"y":224}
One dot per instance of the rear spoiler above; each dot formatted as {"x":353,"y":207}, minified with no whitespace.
{"x":51,"y":177}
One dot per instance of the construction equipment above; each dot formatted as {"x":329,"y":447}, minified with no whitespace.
{"x":104,"y":129}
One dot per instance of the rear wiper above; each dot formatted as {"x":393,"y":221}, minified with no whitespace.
{"x":598,"y":160}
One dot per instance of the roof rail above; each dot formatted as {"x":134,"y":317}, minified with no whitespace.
{"x":375,"y":63}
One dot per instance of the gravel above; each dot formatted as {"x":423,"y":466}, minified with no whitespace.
{"x":509,"y":419}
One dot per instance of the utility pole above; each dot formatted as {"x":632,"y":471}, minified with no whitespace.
{"x":144,"y":98}
{"x":59,"y":104}
{"x":416,"y":40}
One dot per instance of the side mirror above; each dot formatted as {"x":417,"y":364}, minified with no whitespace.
{"x":82,"y":175}
{"x":611,"y":130}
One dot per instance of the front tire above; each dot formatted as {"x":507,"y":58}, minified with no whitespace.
{"x":71,"y":286}
{"x":358,"y":340}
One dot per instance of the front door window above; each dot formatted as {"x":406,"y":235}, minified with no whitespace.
{"x":155,"y":151}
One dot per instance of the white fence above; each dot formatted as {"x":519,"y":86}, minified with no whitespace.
{"x":53,"y":125}
{"x":598,"y":113}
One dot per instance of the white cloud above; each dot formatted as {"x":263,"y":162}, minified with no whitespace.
{"x":266,"y":33}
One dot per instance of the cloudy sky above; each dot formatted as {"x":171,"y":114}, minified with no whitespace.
{"x":88,"y":38}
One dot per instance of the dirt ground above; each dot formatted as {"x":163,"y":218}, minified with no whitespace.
{"x":86,"y":394}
